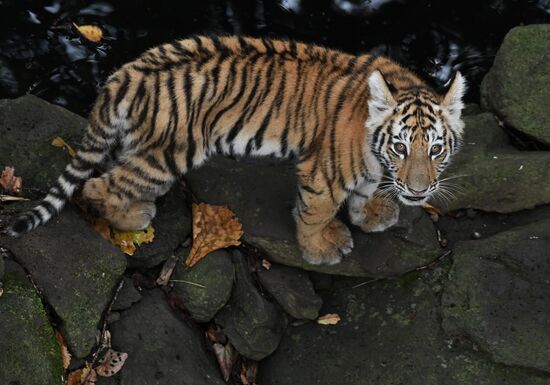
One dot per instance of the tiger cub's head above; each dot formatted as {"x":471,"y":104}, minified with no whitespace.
{"x":414,"y":133}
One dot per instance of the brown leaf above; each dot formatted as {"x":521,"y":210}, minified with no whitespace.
{"x":266,"y":264}
{"x":111,"y":363}
{"x":249,"y":371}
{"x":10,"y":183}
{"x":59,"y":142}
{"x":83,"y":376}
{"x":65,"y":355}
{"x":90,"y":32}
{"x":433,"y":211}
{"x":329,"y":319}
{"x":214,"y":228}
{"x":226,"y":356}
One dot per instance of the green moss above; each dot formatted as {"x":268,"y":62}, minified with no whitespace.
{"x":29,"y":348}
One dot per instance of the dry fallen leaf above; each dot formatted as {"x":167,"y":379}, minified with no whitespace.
{"x":433,"y":211}
{"x":60,"y":142}
{"x":65,"y":355}
{"x":90,"y":32}
{"x":111,"y":363}
{"x":226,"y":356}
{"x":214,"y":228}
{"x":266,"y":264}
{"x":84,"y":376}
{"x":129,"y":240}
{"x":249,"y":372}
{"x":10,"y":183}
{"x":329,"y":319}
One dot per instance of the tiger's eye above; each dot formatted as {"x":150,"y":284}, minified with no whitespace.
{"x":436,"y":149}
{"x":400,"y":148}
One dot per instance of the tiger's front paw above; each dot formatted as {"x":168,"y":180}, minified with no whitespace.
{"x":377,"y":214}
{"x":327,"y":246}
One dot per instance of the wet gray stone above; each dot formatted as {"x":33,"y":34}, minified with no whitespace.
{"x":491,"y":175}
{"x":262,"y":196}
{"x":30,"y":353}
{"x":517,"y":88}
{"x":76,"y":269}
{"x":292,"y":289}
{"x":498,"y":295}
{"x":390,"y":333}
{"x":127,"y":296}
{"x":27,"y":127}
{"x":252,"y":324}
{"x":216,"y":273}
{"x":162,"y":349}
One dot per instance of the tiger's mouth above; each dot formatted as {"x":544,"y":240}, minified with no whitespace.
{"x":413,"y":200}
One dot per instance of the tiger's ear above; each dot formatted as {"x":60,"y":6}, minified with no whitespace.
{"x":381,"y":100}
{"x":452,"y":101}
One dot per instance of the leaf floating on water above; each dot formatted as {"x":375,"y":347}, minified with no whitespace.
{"x":10,"y":183}
{"x":111,"y":363}
{"x":60,"y":142}
{"x":90,"y":32}
{"x":329,"y":319}
{"x":214,"y":228}
{"x":65,"y":355}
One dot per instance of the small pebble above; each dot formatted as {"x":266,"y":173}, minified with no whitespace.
{"x":476,"y":235}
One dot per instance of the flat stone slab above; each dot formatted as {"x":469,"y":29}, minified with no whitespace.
{"x":162,"y":349}
{"x":517,"y":88}
{"x":76,"y":269}
{"x":491,"y":175}
{"x":262,"y":195}
{"x":390,"y":333}
{"x":498,"y":295}
{"x":30,"y":353}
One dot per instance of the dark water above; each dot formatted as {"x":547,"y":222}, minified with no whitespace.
{"x":41,"y":54}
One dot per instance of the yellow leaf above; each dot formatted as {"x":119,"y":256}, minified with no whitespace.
{"x":329,"y":319}
{"x":90,"y":32}
{"x":129,"y":240}
{"x":214,"y":228}
{"x":59,"y":142}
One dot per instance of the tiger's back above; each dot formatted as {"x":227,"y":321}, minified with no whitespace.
{"x":179,"y":103}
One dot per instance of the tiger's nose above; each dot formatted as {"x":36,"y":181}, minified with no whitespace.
{"x":418,"y":192}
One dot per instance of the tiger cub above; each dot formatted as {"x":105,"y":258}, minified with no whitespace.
{"x":346,"y":119}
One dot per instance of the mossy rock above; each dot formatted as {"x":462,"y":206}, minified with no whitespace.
{"x":517,"y":88}
{"x":498,"y":295}
{"x":215,"y":274}
{"x":30,"y":352}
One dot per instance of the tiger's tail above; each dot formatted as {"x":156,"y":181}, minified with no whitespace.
{"x":81,"y":168}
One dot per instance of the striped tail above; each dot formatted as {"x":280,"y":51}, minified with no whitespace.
{"x":76,"y":173}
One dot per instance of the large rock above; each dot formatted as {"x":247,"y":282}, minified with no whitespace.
{"x":292,"y":289}
{"x":390,"y":333}
{"x":517,"y":88}
{"x":253,"y":324}
{"x":498,"y":295}
{"x":27,"y":126}
{"x":492,"y":175}
{"x":263,"y":194}
{"x":30,"y":353}
{"x":215,"y":274}
{"x":162,"y":349}
{"x":76,"y":269}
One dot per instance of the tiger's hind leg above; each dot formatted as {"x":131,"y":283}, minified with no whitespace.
{"x":125,"y":195}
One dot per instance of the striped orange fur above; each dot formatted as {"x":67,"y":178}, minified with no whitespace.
{"x":345,"y":119}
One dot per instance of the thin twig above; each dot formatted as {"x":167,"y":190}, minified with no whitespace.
{"x":188,"y":282}
{"x":11,"y":198}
